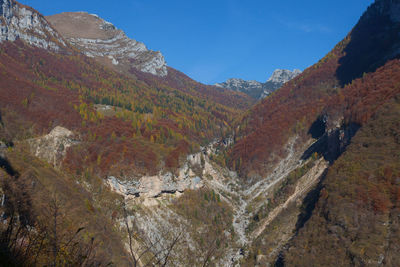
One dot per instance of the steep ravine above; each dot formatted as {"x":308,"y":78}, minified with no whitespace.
{"x":156,"y":214}
{"x":332,"y":198}
{"x":150,"y":200}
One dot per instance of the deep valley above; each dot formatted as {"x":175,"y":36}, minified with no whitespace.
{"x":110,"y":157}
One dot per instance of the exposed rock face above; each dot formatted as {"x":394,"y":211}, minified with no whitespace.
{"x":154,"y":186}
{"x":251,"y":88}
{"x":21,"y":22}
{"x":100,"y":39}
{"x":282,"y":76}
{"x":260,"y":90}
{"x":53,"y":147}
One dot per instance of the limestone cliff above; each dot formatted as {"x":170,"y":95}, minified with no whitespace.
{"x":20,"y":22}
{"x":100,"y":39}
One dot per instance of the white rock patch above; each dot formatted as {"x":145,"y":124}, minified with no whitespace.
{"x":53,"y":147}
{"x":22,"y":23}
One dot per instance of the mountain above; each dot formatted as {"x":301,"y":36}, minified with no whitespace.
{"x":102,"y":165}
{"x":22,"y":22}
{"x":100,"y":39}
{"x":356,"y":213}
{"x":302,"y":101}
{"x":251,"y":88}
{"x":260,"y":90}
{"x":342,"y":111}
{"x":72,"y":127}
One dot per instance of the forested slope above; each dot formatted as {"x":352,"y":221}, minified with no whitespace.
{"x":324,"y":90}
{"x":356,"y":219}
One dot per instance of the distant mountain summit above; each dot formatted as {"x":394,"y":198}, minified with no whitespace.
{"x":100,"y":39}
{"x":257,"y":89}
{"x":251,"y":88}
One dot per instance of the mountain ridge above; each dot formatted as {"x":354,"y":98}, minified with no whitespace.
{"x":152,"y":170}
{"x":100,"y":39}
{"x":259,"y":90}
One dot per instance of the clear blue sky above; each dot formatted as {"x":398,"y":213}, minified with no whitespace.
{"x":213,"y":40}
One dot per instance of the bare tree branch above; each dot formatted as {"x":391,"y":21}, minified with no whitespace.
{"x":160,"y":253}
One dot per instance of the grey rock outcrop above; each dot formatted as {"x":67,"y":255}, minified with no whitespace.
{"x":100,"y":39}
{"x":53,"y":147}
{"x":20,"y":22}
{"x":155,"y":186}
{"x":282,"y":76}
{"x":251,"y":88}
{"x":257,"y":89}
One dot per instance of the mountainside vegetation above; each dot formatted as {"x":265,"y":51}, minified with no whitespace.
{"x":123,"y":126}
{"x":152,"y":125}
{"x":342,"y":87}
{"x":349,"y":219}
{"x":100,"y":167}
{"x":51,"y":219}
{"x":357,"y":213}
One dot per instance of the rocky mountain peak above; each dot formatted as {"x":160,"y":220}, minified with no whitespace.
{"x":257,"y":89}
{"x":283,"y":76}
{"x":21,"y":22}
{"x":236,"y":84}
{"x":251,"y":88}
{"x":100,"y":39}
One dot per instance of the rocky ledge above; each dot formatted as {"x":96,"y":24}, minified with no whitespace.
{"x":167,"y":183}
